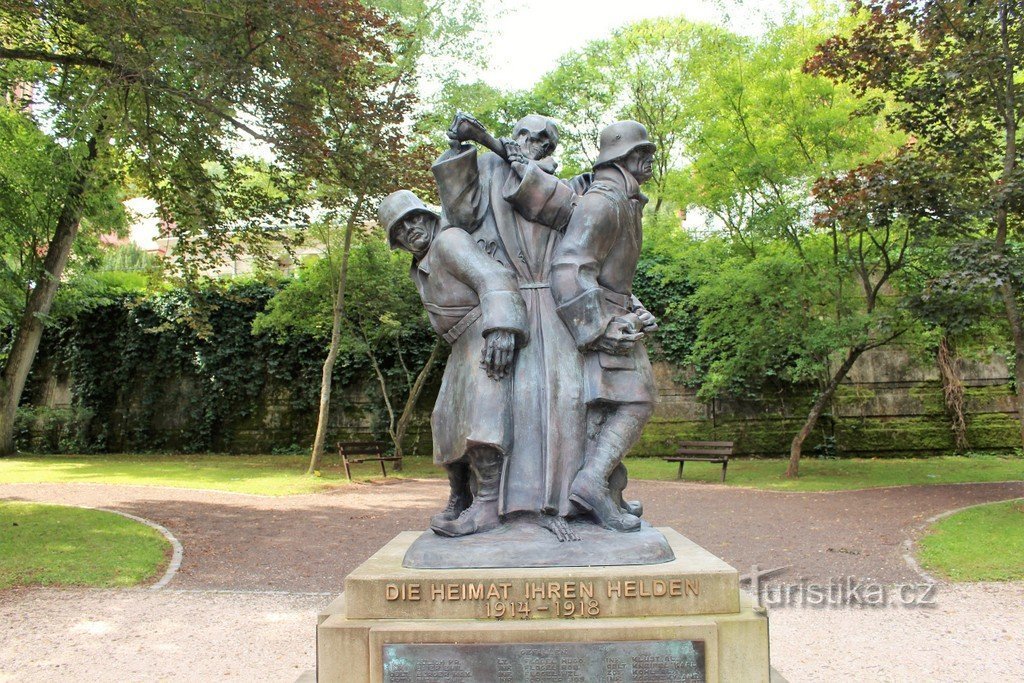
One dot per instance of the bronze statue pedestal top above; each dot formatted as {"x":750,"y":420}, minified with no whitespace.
{"x":521,"y":543}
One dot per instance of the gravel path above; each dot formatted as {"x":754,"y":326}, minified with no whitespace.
{"x":974,"y":633}
{"x":256,"y":570}
{"x":139,"y":635}
{"x":311,"y":542}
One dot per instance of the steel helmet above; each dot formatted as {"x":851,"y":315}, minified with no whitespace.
{"x":397,"y":206}
{"x":619,"y":139}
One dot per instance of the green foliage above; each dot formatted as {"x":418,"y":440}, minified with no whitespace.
{"x":52,"y":545}
{"x":34,"y":177}
{"x":666,"y":280}
{"x":384,"y":324}
{"x":168,"y":90}
{"x":143,"y":378}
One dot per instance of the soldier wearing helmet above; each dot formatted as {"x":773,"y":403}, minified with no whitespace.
{"x":475,"y":305}
{"x":591,"y":280}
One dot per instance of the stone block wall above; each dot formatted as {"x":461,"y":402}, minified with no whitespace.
{"x":889,"y":406}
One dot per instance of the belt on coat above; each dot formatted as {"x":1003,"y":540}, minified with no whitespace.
{"x":470,"y":314}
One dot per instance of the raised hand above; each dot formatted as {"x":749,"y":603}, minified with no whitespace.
{"x":465,"y":127}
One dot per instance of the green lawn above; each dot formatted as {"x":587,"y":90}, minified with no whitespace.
{"x":278,"y":475}
{"x":837,"y":475}
{"x":52,"y":545}
{"x":271,"y":475}
{"x":984,"y":543}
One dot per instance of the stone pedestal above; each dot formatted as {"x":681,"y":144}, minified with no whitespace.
{"x":679,"y":620}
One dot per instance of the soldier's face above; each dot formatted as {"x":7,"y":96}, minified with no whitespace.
{"x":536,"y":144}
{"x":640,"y":163}
{"x":415,"y":232}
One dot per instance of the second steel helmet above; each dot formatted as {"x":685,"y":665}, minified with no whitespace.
{"x":619,"y":139}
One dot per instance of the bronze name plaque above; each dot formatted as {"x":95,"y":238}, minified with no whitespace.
{"x":633,"y":661}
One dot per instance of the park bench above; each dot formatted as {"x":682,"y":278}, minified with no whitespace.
{"x":356,"y":452}
{"x":702,"y":451}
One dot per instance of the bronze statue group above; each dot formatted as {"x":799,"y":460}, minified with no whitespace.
{"x":529,"y":277}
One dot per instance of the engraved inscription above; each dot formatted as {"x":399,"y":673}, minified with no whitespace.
{"x":643,"y":661}
{"x":545,"y":599}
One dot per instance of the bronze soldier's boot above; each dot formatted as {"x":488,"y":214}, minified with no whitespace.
{"x":459,"y":496}
{"x":616,"y":483}
{"x":482,"y":515}
{"x":590,"y":490}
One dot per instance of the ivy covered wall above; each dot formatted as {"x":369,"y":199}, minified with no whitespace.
{"x":148,"y":374}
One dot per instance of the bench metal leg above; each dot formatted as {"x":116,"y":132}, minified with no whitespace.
{"x":383,"y":471}
{"x":724,"y":466}
{"x":681,"y":463}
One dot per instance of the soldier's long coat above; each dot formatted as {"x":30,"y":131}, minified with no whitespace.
{"x":592,"y":282}
{"x":467,"y":295}
{"x":509,"y":218}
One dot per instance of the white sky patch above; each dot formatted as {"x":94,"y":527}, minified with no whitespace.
{"x":527,"y":41}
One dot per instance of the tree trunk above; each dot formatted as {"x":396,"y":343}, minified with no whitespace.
{"x":796,"y":447}
{"x":953,"y":391}
{"x":332,"y":354}
{"x":414,"y":396}
{"x":1017,"y":329}
{"x":30,"y":328}
{"x":1009,"y":293}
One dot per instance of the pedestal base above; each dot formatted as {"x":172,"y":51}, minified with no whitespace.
{"x":522,"y":544}
{"x":681,"y":620}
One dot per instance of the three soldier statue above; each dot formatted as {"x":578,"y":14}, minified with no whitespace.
{"x":529,"y":277}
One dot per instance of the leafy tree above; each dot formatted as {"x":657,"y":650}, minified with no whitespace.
{"x":761,"y":135}
{"x":384,"y":323}
{"x":953,"y":70}
{"x":359,"y":154}
{"x":33,"y":182}
{"x":163,"y":90}
{"x":648,"y":71}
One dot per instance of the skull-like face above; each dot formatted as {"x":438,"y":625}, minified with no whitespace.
{"x":536,"y":136}
{"x":415,"y":232}
{"x":535,"y":145}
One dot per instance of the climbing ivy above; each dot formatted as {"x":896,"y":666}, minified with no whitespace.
{"x":144,"y":376}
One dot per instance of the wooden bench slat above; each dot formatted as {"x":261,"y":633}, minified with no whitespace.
{"x":677,"y":458}
{"x":703,"y":451}
{"x":723,"y":444}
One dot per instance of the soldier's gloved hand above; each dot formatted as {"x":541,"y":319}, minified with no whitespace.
{"x":619,"y":337}
{"x":647,"y":320}
{"x":499,"y":353}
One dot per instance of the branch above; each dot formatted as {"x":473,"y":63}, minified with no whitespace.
{"x":52,"y":58}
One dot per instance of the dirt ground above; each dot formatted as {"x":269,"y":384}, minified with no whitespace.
{"x":256,"y":570}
